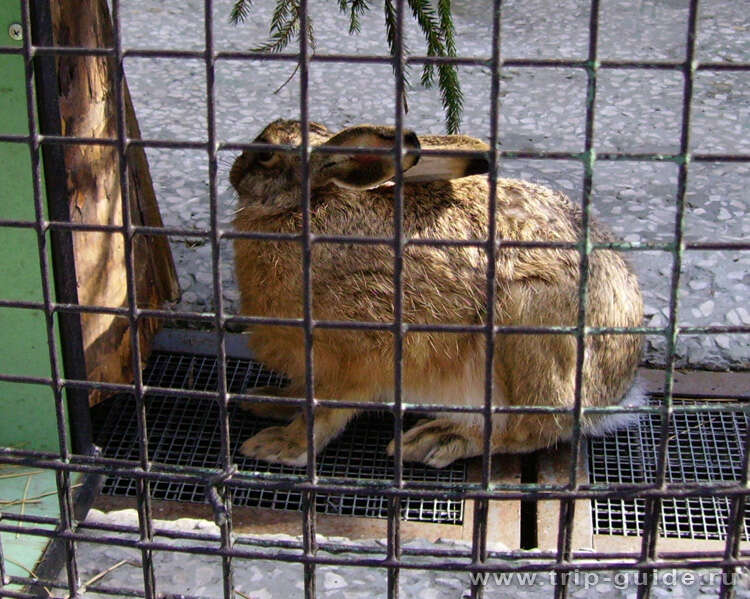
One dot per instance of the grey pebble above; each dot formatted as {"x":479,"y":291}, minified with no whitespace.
{"x":205,"y":277}
{"x":190,"y":297}
{"x":733,"y":317}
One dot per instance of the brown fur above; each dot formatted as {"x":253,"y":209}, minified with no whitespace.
{"x":445,"y":285}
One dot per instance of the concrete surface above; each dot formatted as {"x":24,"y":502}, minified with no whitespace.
{"x":541,"y":109}
{"x":178,"y":574}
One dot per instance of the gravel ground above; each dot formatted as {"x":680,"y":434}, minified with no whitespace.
{"x":541,"y":109}
{"x":200,"y":575}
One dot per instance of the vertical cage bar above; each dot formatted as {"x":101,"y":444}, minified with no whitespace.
{"x":481,"y":506}
{"x":61,"y":241}
{"x":224,"y":504}
{"x":567,"y":506}
{"x":653,"y":511}
{"x":3,"y":574}
{"x":143,"y":487}
{"x":394,"y":502}
{"x":64,"y":488}
{"x":308,"y":496}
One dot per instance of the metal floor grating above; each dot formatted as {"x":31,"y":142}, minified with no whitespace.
{"x":703,"y":447}
{"x":186,"y":432}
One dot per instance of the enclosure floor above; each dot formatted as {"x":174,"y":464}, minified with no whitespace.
{"x":705,"y":447}
{"x":186,"y":432}
{"x":201,"y":576}
{"x":32,"y":492}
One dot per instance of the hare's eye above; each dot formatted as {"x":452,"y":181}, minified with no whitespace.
{"x":266,"y":158}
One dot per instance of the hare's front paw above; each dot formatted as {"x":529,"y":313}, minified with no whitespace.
{"x":436,"y":443}
{"x":276,"y":444}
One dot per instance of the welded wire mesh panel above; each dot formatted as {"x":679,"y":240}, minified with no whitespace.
{"x":703,"y":447}
{"x":185,"y":432}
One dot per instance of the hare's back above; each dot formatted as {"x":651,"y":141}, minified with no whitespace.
{"x":459,"y":209}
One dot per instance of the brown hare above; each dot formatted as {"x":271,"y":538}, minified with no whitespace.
{"x":443,"y":198}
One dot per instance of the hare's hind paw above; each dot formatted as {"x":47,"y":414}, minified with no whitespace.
{"x":274,"y":444}
{"x":436,"y":443}
{"x":288,"y":444}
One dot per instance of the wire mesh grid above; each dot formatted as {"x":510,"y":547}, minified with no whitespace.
{"x":185,"y":432}
{"x":703,"y":447}
{"x":655,"y":492}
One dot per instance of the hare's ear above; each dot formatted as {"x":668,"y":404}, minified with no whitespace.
{"x":361,"y":170}
{"x":440,"y":168}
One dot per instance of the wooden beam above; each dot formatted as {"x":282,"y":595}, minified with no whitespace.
{"x":554,"y":466}
{"x":88,"y":108}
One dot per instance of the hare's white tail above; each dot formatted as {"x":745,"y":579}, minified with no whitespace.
{"x":635,"y":397}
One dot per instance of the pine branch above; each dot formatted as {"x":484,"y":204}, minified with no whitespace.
{"x":390,"y":25}
{"x":440,"y":38}
{"x":428,"y":76}
{"x":310,"y":34}
{"x":434,"y":18}
{"x":280,"y":39}
{"x":390,"y":34}
{"x":284,"y":9}
{"x":358,"y":8}
{"x":425,"y":17}
{"x":446,"y":26}
{"x":450,"y":86}
{"x":451,"y":95}
{"x":284,"y":26}
{"x":240,"y":11}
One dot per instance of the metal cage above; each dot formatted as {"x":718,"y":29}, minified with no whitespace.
{"x":70,"y":387}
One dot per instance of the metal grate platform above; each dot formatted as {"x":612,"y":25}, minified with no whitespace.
{"x":186,"y":432}
{"x":703,"y":447}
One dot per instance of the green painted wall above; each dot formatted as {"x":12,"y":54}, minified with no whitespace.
{"x":27,"y":414}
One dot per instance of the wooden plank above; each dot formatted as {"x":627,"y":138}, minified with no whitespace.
{"x":553,"y":469}
{"x":257,"y":521}
{"x":503,"y":516}
{"x":698,"y":382}
{"x":88,"y":109}
{"x":623,"y":544}
{"x":504,"y":528}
